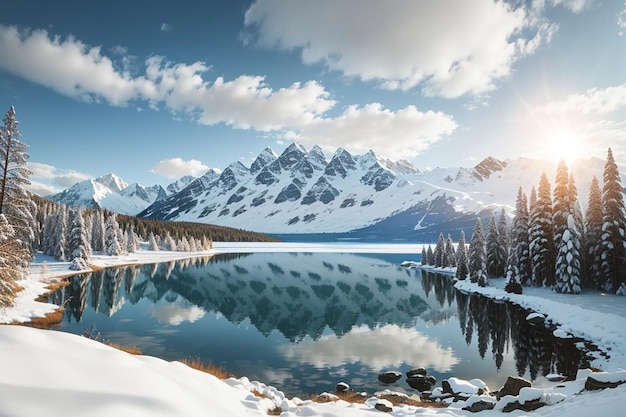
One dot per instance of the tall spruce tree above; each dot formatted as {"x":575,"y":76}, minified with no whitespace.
{"x":112,"y":245}
{"x":568,"y":260}
{"x":439,"y":251}
{"x":519,"y":239}
{"x":504,"y":243}
{"x":477,"y":256}
{"x":562,"y":201}
{"x":449,"y":255}
{"x":593,"y":226}
{"x":77,"y":241}
{"x":613,"y":252}
{"x":493,"y":251}
{"x":15,"y":202}
{"x":542,"y":236}
{"x":11,"y":255}
{"x":461,"y":258}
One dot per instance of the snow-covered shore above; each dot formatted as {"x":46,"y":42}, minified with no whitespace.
{"x":48,"y":373}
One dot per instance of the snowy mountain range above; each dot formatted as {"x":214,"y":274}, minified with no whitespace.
{"x":113,"y":193}
{"x":347,"y":196}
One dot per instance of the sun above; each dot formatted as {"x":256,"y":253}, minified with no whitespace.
{"x":564,"y":143}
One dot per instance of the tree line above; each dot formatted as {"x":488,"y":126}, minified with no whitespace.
{"x":550,"y":242}
{"x":29,"y":223}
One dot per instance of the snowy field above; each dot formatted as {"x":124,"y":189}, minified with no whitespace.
{"x":50,"y":373}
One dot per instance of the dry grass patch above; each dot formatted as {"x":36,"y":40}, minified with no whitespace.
{"x":48,"y":322}
{"x":133,"y":350}
{"x":208,"y":368}
{"x":276,"y":411}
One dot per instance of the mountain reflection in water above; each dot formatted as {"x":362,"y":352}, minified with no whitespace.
{"x":317,"y":319}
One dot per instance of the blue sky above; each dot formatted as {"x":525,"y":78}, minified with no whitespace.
{"x":153,"y":91}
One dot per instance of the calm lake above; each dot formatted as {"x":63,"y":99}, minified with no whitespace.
{"x":305,"y":321}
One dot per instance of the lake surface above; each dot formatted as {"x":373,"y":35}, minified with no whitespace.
{"x":305,"y":321}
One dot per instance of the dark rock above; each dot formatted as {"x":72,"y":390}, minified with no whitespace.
{"x":513,"y":287}
{"x":419,"y":382}
{"x":512,"y":406}
{"x":431,"y":379}
{"x":512,"y":386}
{"x":342,"y":387}
{"x":416,"y":371}
{"x":383,"y":407}
{"x":389,"y":377}
{"x":479,"y":406}
{"x":425,"y":395}
{"x":593,"y":384}
{"x":532,"y":405}
{"x":445,"y":386}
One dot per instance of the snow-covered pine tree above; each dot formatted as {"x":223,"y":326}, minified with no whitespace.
{"x":519,"y":232}
{"x":424,"y":260}
{"x":15,"y":202}
{"x":152,"y":243}
{"x":504,"y":243}
{"x":170,"y":243}
{"x":461,"y":258}
{"x":11,"y":255}
{"x":492,"y":248}
{"x":579,"y":221}
{"x":593,"y":226}
{"x":112,"y":245}
{"x":568,"y":260}
{"x":476,"y":255}
{"x":60,"y":227}
{"x":439,"y":251}
{"x":449,"y":255}
{"x":562,"y":202}
{"x":76,"y":240}
{"x":542,"y":237}
{"x":430,"y":255}
{"x":97,"y":231}
{"x":613,"y":229}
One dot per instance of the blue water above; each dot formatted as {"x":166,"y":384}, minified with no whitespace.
{"x":305,"y":321}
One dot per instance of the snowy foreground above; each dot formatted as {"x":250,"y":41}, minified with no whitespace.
{"x":51,"y":373}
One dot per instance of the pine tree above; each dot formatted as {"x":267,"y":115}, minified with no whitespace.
{"x":77,"y":242}
{"x":11,"y":255}
{"x":520,"y":231}
{"x":568,"y":260}
{"x":449,"y":255}
{"x":542,"y":236}
{"x":503,"y":242}
{"x":579,"y":221}
{"x":15,"y":203}
{"x":439,"y":251}
{"x":152,"y":243}
{"x":476,"y":255}
{"x":493,"y":251}
{"x":562,"y":201}
{"x":461,"y":258}
{"x":112,"y":245}
{"x":613,"y":255}
{"x":60,"y":227}
{"x":430,"y":255}
{"x":97,"y":231}
{"x":424,"y":260}
{"x":593,"y":226}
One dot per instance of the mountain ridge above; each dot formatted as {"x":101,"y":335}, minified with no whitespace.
{"x":302,"y":192}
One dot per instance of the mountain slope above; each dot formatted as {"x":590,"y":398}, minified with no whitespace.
{"x":300,"y":192}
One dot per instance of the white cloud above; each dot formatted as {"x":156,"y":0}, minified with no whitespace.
{"x":52,"y":179}
{"x":576,"y":6}
{"x":401,"y":134}
{"x":298,"y":111}
{"x":384,"y":347}
{"x":448,"y":47}
{"x":593,"y":101}
{"x":177,"y":167}
{"x":166,"y":27}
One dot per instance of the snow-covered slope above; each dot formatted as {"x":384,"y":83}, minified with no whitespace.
{"x":112,"y":193}
{"x":301,"y":192}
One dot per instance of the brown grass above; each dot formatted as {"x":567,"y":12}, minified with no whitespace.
{"x":52,"y":287}
{"x":49,"y":321}
{"x":276,"y":411}
{"x":133,"y":350}
{"x":208,"y":368}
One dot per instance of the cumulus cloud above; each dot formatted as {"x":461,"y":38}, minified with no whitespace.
{"x":404,"y":133}
{"x":448,"y":47}
{"x":52,"y":181}
{"x":299,"y":111}
{"x":177,"y":167}
{"x":594,"y":101}
{"x":575,"y":6}
{"x":384,"y":347}
{"x":166,"y":27}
